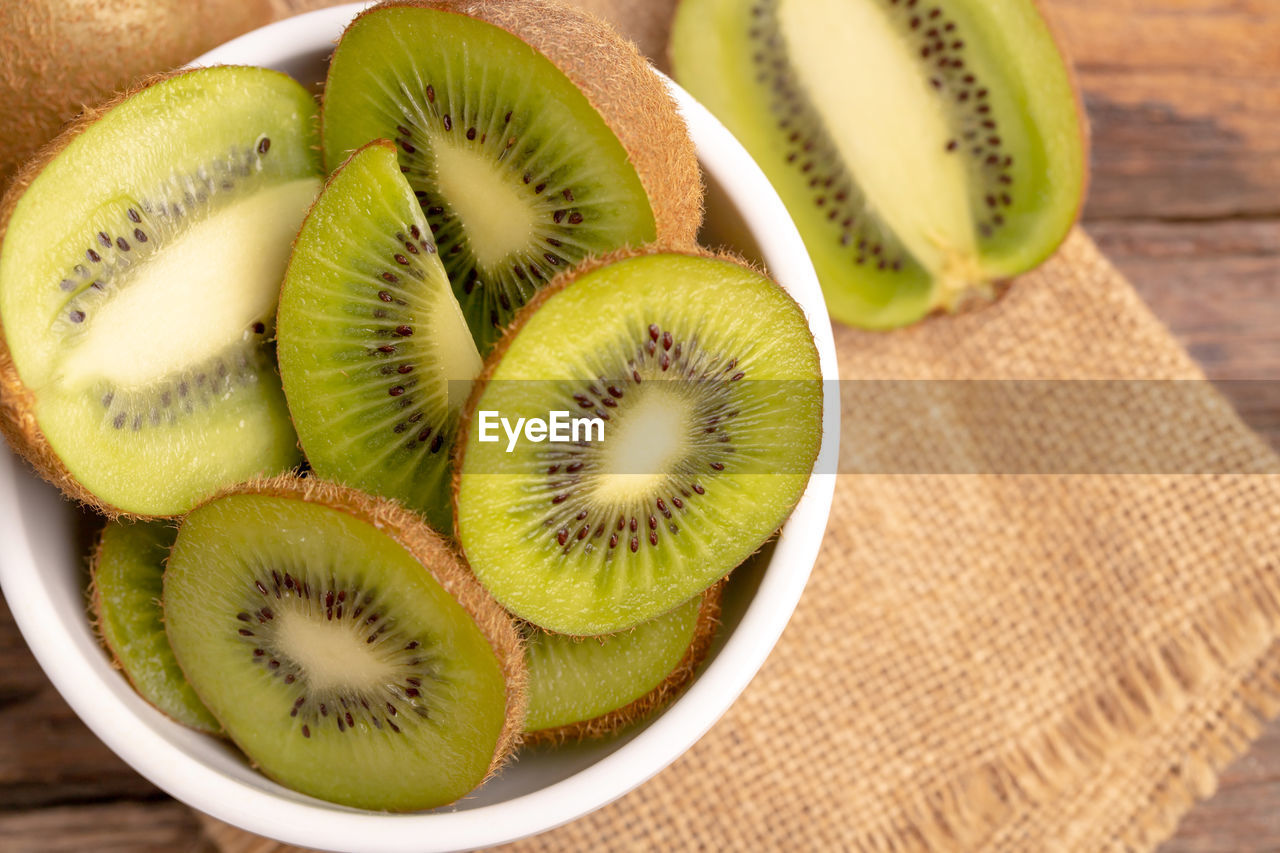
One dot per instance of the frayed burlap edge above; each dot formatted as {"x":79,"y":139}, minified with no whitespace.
{"x":1142,"y":693}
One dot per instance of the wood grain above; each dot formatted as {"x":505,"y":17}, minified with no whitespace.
{"x":1244,"y":817}
{"x":120,"y":827}
{"x":1184,"y":100}
{"x":1184,"y":103}
{"x":47,"y":756}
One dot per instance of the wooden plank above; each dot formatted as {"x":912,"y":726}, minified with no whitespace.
{"x":1217,"y":286}
{"x":1244,"y":816}
{"x":1184,"y":99}
{"x":47,"y":756}
{"x":161,"y":827}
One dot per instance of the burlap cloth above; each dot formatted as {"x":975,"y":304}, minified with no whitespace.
{"x":1029,"y":662}
{"x":998,"y":662}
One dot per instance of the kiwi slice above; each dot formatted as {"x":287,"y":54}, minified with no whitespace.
{"x":926,"y":149}
{"x":343,"y":645}
{"x":375,"y":354}
{"x":532,"y":134}
{"x":704,"y":380}
{"x":584,"y":687}
{"x":139,"y":271}
{"x":127,"y":569}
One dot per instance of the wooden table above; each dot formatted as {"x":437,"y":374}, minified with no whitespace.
{"x":1184,"y":96}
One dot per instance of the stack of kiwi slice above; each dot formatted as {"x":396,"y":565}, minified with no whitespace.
{"x":706,"y":378}
{"x":582,"y":687}
{"x":263,"y":338}
{"x":343,"y":645}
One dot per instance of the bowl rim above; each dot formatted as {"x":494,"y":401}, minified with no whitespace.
{"x":312,"y":823}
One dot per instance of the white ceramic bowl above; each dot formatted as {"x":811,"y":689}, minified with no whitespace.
{"x":42,"y":576}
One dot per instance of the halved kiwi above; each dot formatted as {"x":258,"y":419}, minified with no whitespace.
{"x":127,"y":570}
{"x":139,"y":271}
{"x":926,"y":149}
{"x":703,"y":380}
{"x":375,"y":354}
{"x":343,"y":645}
{"x":532,"y":134}
{"x":586,"y":687}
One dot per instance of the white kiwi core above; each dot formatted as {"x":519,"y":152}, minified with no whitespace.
{"x":456,"y":357}
{"x":888,"y":127}
{"x":495,"y":214}
{"x":191,"y":299}
{"x":645,"y":446}
{"x":334,"y":655}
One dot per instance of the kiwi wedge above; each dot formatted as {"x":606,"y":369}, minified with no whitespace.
{"x":127,"y":570}
{"x":704,"y":379}
{"x":343,"y":645}
{"x":926,"y":149}
{"x":532,"y":134}
{"x":585,"y":687}
{"x":140,"y":264}
{"x":375,"y":354}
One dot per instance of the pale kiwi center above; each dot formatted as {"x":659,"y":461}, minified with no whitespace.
{"x":888,"y":126}
{"x":334,"y":655}
{"x":495,"y":214}
{"x":457,"y":359}
{"x":643,"y":448}
{"x":187,"y":302}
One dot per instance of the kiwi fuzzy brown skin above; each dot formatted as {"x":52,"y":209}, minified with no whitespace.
{"x":648,"y":24}
{"x":646,"y":121}
{"x":430,"y":549}
{"x":662,"y":695}
{"x":57,"y":55}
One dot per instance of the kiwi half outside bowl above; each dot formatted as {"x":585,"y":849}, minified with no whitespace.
{"x":43,"y":540}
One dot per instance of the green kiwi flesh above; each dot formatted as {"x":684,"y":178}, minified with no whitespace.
{"x":375,"y":355}
{"x":127,"y":569}
{"x":706,"y":379}
{"x":139,"y":273}
{"x":592,"y":686}
{"x":926,"y":149}
{"x":520,"y":177}
{"x":340,"y":662}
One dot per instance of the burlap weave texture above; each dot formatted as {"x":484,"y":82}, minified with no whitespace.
{"x":998,"y":662}
{"x":1003,"y":662}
